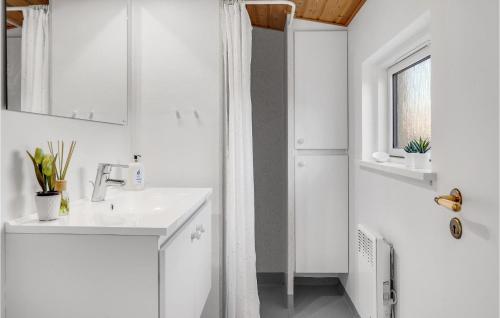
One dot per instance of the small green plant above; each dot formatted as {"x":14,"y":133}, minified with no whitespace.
{"x":45,"y":170}
{"x":419,"y":145}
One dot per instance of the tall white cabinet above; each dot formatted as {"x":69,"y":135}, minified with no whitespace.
{"x":320,"y":89}
{"x":317,"y":151}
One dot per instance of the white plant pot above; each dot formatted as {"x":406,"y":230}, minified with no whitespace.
{"x":421,"y":160}
{"x":410,"y":160}
{"x":47,"y":206}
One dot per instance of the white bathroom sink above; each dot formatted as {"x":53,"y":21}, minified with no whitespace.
{"x":154,"y":211}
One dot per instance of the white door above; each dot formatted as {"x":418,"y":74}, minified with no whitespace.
{"x":321,"y":214}
{"x":320,"y":89}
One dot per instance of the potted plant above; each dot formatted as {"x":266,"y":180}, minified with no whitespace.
{"x":417,"y":151}
{"x":48,"y":201}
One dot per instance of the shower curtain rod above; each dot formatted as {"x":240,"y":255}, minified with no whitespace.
{"x":16,"y":8}
{"x":285,"y":2}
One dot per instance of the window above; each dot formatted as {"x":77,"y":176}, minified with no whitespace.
{"x":409,"y":83}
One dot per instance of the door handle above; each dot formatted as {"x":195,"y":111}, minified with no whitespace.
{"x":453,"y":201}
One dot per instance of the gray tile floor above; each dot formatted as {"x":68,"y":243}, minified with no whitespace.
{"x":310,"y":302}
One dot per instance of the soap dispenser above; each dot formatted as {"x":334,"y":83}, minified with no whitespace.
{"x":135,"y":179}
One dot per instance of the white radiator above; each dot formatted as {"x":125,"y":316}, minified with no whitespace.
{"x":375,"y":256}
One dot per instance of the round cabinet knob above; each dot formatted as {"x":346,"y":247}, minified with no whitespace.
{"x":300,"y":141}
{"x":301,"y":164}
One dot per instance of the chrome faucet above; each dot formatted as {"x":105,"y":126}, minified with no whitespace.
{"x":103,"y":181}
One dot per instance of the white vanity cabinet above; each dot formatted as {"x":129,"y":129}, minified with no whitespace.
{"x":155,"y":263}
{"x":185,"y":263}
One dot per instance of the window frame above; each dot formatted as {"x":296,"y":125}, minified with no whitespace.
{"x":401,"y":65}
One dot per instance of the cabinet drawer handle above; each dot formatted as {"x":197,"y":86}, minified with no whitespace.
{"x":300,"y":141}
{"x":301,"y":164}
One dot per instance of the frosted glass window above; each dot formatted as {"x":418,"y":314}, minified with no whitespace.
{"x":411,"y":88}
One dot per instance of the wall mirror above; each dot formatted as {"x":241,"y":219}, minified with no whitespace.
{"x":68,"y":58}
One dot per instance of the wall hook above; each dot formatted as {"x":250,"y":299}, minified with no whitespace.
{"x":178,"y":114}
{"x":196,"y":114}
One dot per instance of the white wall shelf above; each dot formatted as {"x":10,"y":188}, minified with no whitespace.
{"x":401,"y":170}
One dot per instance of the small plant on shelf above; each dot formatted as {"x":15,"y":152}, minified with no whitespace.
{"x":418,"y":153}
{"x":420,"y":145}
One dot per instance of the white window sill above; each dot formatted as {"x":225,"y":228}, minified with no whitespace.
{"x":401,"y":170}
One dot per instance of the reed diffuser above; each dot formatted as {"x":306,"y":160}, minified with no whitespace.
{"x":62,"y":164}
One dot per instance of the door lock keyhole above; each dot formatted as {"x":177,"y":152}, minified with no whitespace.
{"x":456,"y":228}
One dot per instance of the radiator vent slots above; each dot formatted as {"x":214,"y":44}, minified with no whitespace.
{"x":365,"y":247}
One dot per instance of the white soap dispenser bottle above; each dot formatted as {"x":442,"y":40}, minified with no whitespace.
{"x":135,"y":175}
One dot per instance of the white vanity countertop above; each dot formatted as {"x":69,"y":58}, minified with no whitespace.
{"x":154,"y":211}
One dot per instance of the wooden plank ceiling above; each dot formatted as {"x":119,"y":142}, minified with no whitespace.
{"x":15,"y":18}
{"x":338,"y":12}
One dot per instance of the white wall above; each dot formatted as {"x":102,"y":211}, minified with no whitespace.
{"x":177,"y":68}
{"x":270,"y":151}
{"x":437,"y":276}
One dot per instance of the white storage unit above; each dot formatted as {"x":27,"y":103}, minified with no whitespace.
{"x":320,"y":89}
{"x":317,"y":149}
{"x":321,"y":217}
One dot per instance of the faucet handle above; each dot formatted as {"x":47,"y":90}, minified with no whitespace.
{"x":106,"y":167}
{"x":114,"y":165}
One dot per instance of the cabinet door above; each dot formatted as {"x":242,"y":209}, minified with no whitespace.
{"x":177,"y":274}
{"x":320,"y":89}
{"x":321,"y":214}
{"x":203,"y":256}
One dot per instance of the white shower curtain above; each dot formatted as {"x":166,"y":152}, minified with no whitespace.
{"x":35,"y":60}
{"x":242,"y":300}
